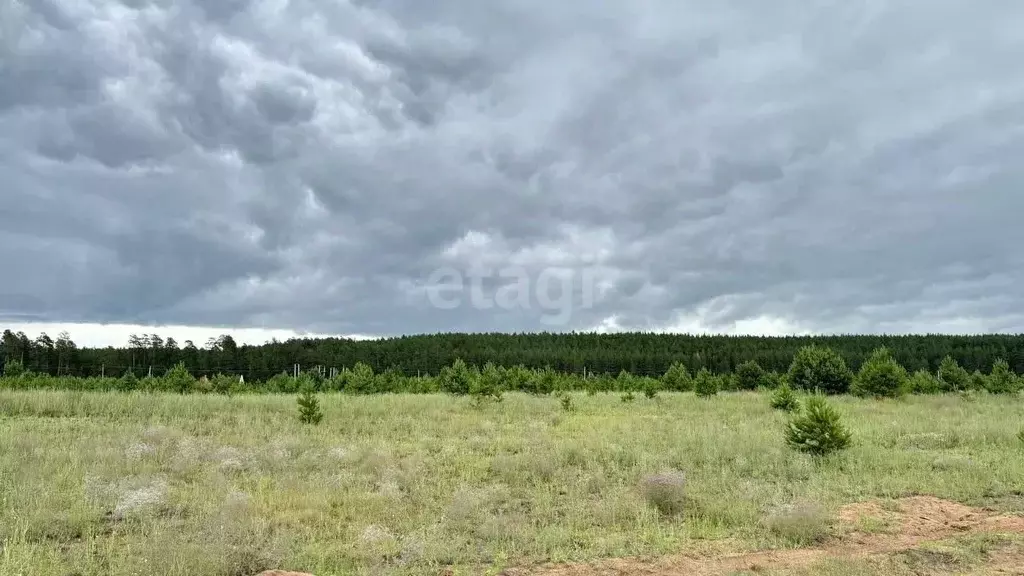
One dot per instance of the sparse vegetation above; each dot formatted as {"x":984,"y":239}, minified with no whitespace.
{"x":113,"y":483}
{"x":566,"y":401}
{"x":800,"y":524}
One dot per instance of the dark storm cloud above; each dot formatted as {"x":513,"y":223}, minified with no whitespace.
{"x":730,"y":165}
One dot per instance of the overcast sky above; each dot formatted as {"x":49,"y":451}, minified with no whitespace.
{"x":314,"y":166}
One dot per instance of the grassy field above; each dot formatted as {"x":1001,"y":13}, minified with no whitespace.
{"x":126,"y":484}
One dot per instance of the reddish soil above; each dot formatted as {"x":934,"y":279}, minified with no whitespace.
{"x":915,"y":521}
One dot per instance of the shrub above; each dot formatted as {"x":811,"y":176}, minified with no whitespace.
{"x":820,"y":368}
{"x":390,"y":381}
{"x":750,"y":376}
{"x":517,"y":377}
{"x":628,"y":396}
{"x":880,"y":376}
{"x":223,"y":384}
{"x":978,"y":381}
{"x":179,"y":379}
{"x":14,"y":368}
{"x":1002,"y":380}
{"x":773,"y":380}
{"x":952,"y":376}
{"x":360,"y":379}
{"x":818,"y":430}
{"x":309,"y":406}
{"x":456,"y":379}
{"x":128,"y":382}
{"x":785,"y":399}
{"x":665,"y":491}
{"x":706,"y":384}
{"x":650,"y":386}
{"x":677,"y":378}
{"x":626,"y":381}
{"x":488,"y":385}
{"x":566,"y":401}
{"x":923,"y":382}
{"x":801,"y":524}
{"x":542,"y":382}
{"x":282,"y":383}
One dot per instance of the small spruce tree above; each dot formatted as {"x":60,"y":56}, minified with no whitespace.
{"x":706,"y":384}
{"x":749,"y":376}
{"x":179,"y":379}
{"x":1002,"y":380}
{"x":783,"y":398}
{"x":923,"y":382}
{"x":820,"y":368}
{"x":819,"y":430}
{"x":128,"y":382}
{"x":978,"y":381}
{"x":953,"y":376}
{"x":361,"y":379}
{"x":488,"y":384}
{"x":456,"y":379}
{"x":651,"y":386}
{"x":880,"y":376}
{"x":677,"y":378}
{"x":309,"y":406}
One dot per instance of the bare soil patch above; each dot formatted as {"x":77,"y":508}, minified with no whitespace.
{"x":908,"y":523}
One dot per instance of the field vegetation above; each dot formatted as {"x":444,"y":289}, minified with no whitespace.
{"x":142,"y":483}
{"x":491,"y":468}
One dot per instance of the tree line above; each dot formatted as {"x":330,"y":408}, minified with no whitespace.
{"x":814,"y":368}
{"x":641,"y":354}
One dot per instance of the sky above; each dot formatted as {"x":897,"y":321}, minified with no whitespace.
{"x":284,"y":167}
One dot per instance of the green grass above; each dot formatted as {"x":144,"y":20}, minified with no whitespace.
{"x":120,"y":484}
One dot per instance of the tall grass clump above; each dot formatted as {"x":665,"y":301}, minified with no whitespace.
{"x":665,"y":491}
{"x":800,"y":524}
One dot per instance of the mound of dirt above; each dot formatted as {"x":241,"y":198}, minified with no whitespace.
{"x":906,"y":524}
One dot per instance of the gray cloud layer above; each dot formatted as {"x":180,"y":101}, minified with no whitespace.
{"x":834,"y":166}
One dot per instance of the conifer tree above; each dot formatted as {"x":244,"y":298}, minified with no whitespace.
{"x":309,"y":406}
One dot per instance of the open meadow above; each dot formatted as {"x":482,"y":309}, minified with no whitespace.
{"x":118,"y":484}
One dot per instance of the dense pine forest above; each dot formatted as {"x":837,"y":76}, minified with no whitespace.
{"x":644,"y":354}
